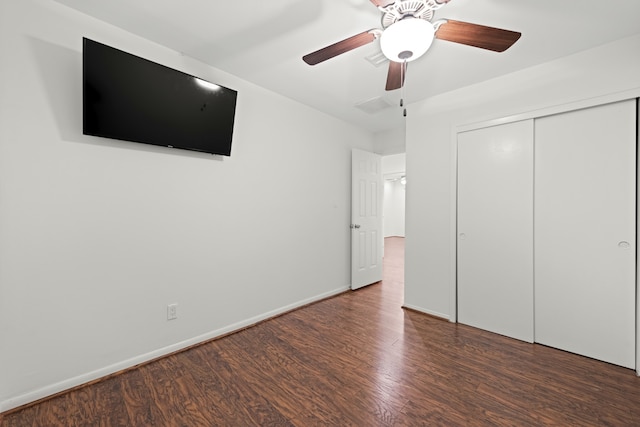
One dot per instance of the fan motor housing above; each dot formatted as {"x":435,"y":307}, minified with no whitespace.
{"x":421,"y":9}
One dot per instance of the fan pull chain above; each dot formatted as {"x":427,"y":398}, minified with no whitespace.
{"x":402,"y":77}
{"x":402,"y":85}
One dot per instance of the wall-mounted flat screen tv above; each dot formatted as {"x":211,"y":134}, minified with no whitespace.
{"x":133,"y":99}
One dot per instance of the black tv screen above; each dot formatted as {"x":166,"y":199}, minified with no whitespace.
{"x":130,"y":98}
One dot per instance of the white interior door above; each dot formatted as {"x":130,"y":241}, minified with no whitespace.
{"x":585,"y":237}
{"x":495,"y":229}
{"x":366,"y":219}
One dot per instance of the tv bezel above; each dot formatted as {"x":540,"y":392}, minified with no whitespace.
{"x":179,"y":146}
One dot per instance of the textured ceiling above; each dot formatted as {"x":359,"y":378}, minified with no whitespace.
{"x":263,"y":42}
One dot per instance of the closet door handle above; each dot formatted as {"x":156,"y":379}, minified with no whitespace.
{"x":624,"y":245}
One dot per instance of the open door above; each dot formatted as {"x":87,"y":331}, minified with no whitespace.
{"x":366,"y":219}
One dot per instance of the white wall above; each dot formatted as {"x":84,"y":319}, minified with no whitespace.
{"x":429,"y":255}
{"x":393,"y":166}
{"x":97,"y":236}
{"x":394,"y":211}
{"x":389,"y":142}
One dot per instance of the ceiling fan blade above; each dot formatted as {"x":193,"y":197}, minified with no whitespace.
{"x":383,"y":3}
{"x":396,"y":75}
{"x":495,"y":39}
{"x":339,"y":48}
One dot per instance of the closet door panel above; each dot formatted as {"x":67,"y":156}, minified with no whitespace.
{"x":495,"y":229}
{"x":585,"y":247}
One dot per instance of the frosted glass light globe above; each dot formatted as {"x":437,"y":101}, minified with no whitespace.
{"x":407,"y":39}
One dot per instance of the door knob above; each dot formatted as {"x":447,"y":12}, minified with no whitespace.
{"x":462,"y":236}
{"x":356,"y":226}
{"x":624,"y":245}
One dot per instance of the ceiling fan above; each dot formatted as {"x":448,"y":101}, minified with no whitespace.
{"x":407,"y":33}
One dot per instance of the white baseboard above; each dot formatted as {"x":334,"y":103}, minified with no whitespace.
{"x":79,"y":380}
{"x":427,"y":311}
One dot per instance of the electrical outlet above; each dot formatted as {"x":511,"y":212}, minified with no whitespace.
{"x":172,"y":311}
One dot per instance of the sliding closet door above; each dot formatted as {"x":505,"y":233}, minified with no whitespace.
{"x":495,"y":229}
{"x":585,"y":247}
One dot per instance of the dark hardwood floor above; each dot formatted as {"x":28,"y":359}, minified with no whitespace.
{"x":356,"y":359}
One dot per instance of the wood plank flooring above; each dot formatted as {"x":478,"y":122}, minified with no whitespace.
{"x":357,"y":359}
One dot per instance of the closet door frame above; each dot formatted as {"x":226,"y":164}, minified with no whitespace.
{"x":470,"y":125}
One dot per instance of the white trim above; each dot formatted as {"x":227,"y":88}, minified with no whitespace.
{"x":79,"y":380}
{"x":531,"y":114}
{"x":453,"y":226}
{"x":426,"y":311}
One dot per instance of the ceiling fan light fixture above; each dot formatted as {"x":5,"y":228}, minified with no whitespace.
{"x":407,"y":39}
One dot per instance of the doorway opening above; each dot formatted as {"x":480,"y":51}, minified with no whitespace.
{"x":393,"y":210}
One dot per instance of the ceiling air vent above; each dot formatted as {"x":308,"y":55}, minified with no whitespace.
{"x":377,"y":59}
{"x":373,"y":105}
